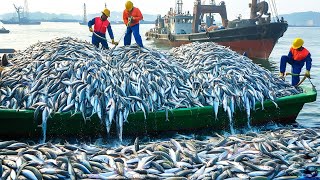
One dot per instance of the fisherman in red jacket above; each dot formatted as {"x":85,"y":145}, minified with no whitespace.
{"x":297,"y":57}
{"x":131,"y":18}
{"x":101,"y":24}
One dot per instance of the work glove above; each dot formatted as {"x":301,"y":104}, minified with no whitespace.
{"x":129,"y":20}
{"x":115,"y":43}
{"x":90,"y":29}
{"x":307,"y":74}
{"x":282,"y":74}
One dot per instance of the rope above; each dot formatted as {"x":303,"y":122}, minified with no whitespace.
{"x":101,"y":37}
{"x":302,"y":80}
{"x":275,"y":9}
{"x":291,"y":74}
{"x":109,"y":41}
{"x":313,"y":86}
{"x":272,"y":12}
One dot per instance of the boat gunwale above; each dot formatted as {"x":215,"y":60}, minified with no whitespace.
{"x":308,"y":95}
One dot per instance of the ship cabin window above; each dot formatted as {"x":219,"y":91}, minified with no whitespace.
{"x":182,"y":21}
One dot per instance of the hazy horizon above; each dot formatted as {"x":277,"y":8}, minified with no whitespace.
{"x":75,"y":7}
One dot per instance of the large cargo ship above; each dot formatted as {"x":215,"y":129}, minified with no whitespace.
{"x":256,"y":36}
{"x":21,"y":22}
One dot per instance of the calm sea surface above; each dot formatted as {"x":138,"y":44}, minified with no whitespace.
{"x":21,"y":37}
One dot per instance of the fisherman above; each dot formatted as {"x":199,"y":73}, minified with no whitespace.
{"x":203,"y":27}
{"x":101,"y":24}
{"x":131,"y":18}
{"x":297,"y":57}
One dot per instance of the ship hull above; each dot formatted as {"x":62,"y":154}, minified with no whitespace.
{"x":256,"y":41}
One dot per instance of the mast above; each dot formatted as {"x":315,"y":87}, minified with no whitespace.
{"x":179,"y":6}
{"x":84,"y":13}
{"x":253,"y":6}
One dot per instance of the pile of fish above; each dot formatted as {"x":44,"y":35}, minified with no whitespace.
{"x":232,"y":70}
{"x":226,"y":78}
{"x":67,"y":74}
{"x":279,"y":154}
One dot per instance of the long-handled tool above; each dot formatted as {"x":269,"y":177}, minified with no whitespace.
{"x":129,"y":22}
{"x":292,"y":74}
{"x":112,"y":49}
{"x":302,"y":80}
{"x":101,"y":37}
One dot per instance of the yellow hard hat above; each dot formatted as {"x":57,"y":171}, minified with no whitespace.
{"x":297,"y":43}
{"x":106,"y":12}
{"x":129,"y":5}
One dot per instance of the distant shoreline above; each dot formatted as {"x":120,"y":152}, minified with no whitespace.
{"x":77,"y":21}
{"x":302,"y":26}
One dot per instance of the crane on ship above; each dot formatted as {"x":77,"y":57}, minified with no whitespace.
{"x":19,"y":11}
{"x":23,"y":15}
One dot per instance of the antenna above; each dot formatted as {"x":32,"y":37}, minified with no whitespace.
{"x":179,"y":6}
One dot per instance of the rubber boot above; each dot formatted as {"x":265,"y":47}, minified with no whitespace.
{"x":4,"y":61}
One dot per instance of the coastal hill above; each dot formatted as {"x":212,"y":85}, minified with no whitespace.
{"x":303,"y":18}
{"x":294,"y":19}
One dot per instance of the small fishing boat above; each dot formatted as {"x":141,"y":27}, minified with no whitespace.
{"x":22,"y":122}
{"x":4,"y":30}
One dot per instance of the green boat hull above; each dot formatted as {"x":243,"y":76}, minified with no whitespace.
{"x":22,"y":123}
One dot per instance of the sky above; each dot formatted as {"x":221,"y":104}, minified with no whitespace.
{"x":75,"y":7}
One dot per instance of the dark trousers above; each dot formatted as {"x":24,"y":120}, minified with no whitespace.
{"x":97,"y":40}
{"x":296,"y":68}
{"x":135,"y":31}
